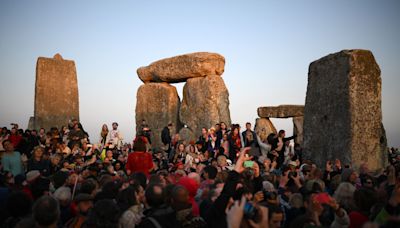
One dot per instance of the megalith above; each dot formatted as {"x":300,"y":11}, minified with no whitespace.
{"x":158,"y":104}
{"x":182,"y":67}
{"x":264,"y":127}
{"x":56,"y":93}
{"x":281,"y":111}
{"x":342,"y":115}
{"x":205,"y":103}
{"x":296,"y":112}
{"x":298,"y":123}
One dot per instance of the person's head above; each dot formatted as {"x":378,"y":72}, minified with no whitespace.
{"x":223,"y":126}
{"x":282,"y":133}
{"x":275,"y":216}
{"x":154,"y":195}
{"x":235,"y":131}
{"x":181,"y":147}
{"x":63,"y":195}
{"x":349,"y":175}
{"x":210,"y":172}
{"x":221,"y":160}
{"x":180,"y":198}
{"x":84,"y":202}
{"x":55,"y":159}
{"x":46,"y":211}
{"x":344,"y":194}
{"x":248,"y":126}
{"x":203,"y":131}
{"x":115,"y":125}
{"x":367,"y":182}
{"x":139,"y":144}
{"x":105,"y":213}
{"x":170,"y":125}
{"x":8,"y":146}
{"x":217,"y":127}
{"x":38,"y":152}
{"x":104,"y":127}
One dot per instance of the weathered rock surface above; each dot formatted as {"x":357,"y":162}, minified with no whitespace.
{"x":298,"y":129}
{"x":56,"y":93}
{"x":264,"y":127}
{"x":187,"y":135}
{"x":342,"y":116}
{"x":205,"y":103}
{"x":281,"y":111}
{"x":158,"y":104}
{"x":182,"y":67}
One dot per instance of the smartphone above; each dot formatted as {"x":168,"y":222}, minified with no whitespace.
{"x":248,"y":164}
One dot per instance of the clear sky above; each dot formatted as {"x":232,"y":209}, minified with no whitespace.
{"x":268,"y":46}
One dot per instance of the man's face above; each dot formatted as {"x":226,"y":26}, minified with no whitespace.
{"x":276,"y":220}
{"x":248,"y":127}
{"x":115,"y":126}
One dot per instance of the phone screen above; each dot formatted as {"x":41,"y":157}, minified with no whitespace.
{"x":248,"y":164}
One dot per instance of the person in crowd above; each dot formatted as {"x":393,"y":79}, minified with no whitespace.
{"x":103,"y":134}
{"x":114,"y":137}
{"x":235,"y":143}
{"x":166,"y":137}
{"x":91,"y":188}
{"x":37,"y":162}
{"x":139,"y":160}
{"x":11,"y":160}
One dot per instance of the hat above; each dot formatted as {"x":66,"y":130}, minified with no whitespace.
{"x":32,"y":175}
{"x":83,"y":197}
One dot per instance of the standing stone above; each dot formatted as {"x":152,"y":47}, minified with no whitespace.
{"x":264,"y":127}
{"x":158,"y":104}
{"x":182,"y":67}
{"x":205,"y":103}
{"x":187,"y":135}
{"x":56,"y":93}
{"x":298,"y":129}
{"x":343,"y":113}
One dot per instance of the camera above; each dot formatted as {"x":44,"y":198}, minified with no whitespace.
{"x":292,"y":174}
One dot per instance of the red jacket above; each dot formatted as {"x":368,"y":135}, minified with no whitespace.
{"x":139,"y":161}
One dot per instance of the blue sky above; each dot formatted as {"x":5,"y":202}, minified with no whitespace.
{"x":268,"y":46}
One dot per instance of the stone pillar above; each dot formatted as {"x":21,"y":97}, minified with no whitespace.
{"x":298,"y":129}
{"x":56,"y":93}
{"x":264,"y":127}
{"x":205,"y":103}
{"x":158,"y":104}
{"x":343,"y":113}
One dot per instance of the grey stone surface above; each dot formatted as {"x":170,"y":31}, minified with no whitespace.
{"x":298,"y":129}
{"x":205,"y":103}
{"x":281,"y":111}
{"x":158,"y":104}
{"x":342,"y":116}
{"x":187,"y":135}
{"x":56,"y":93}
{"x":182,"y":67}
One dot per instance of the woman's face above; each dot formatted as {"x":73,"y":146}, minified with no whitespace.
{"x":235,"y":131}
{"x":105,"y":127}
{"x":181,"y":147}
{"x":203,"y":131}
{"x":38,"y":153}
{"x":223,"y":125}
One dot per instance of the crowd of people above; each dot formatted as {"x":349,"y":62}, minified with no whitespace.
{"x":225,"y":178}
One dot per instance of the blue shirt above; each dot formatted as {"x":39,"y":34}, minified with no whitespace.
{"x":12,"y":162}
